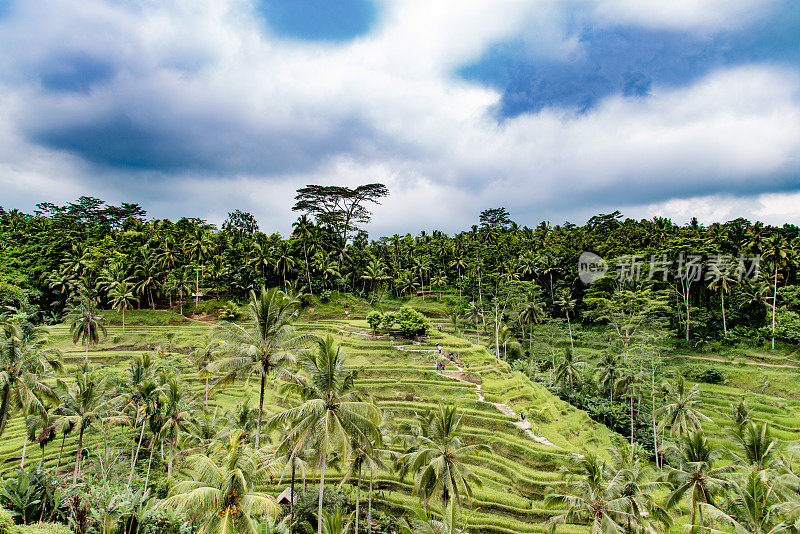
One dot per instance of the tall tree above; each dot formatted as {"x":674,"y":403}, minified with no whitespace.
{"x":86,"y":324}
{"x":339,"y":207}
{"x":439,"y":458}
{"x":332,"y":414}
{"x":221,"y":491}
{"x":25,"y":360}
{"x":262,"y":349}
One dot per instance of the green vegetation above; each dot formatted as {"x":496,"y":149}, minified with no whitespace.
{"x":422,"y":383}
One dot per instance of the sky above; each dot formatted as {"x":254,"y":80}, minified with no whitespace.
{"x":555,"y":109}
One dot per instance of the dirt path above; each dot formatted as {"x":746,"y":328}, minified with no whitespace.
{"x":463,"y":376}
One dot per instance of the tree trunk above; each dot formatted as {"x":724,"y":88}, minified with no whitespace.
{"x":358,"y":497}
{"x":136,"y":455}
{"x":260,"y":409}
{"x":60,"y":452}
{"x":569,"y":325}
{"x":724,"y":322}
{"x":149,"y":463}
{"x":308,"y":274}
{"x":123,"y":320}
{"x":4,"y":408}
{"x":321,"y":490}
{"x":774,"y":306}
{"x":78,"y":458}
{"x":170,"y":458}
{"x":24,"y":445}
{"x":197,"y":286}
{"x":291,"y":501}
{"x":369,"y":504}
{"x":702,"y":524}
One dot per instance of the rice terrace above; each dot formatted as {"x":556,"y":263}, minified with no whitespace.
{"x":399,"y":267}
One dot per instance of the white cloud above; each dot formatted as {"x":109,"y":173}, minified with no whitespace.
{"x":703,"y":15}
{"x":266,"y":115}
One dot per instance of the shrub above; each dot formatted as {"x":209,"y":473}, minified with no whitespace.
{"x":711,"y":376}
{"x":44,"y":528}
{"x":325,"y":296}
{"x":411,"y":322}
{"x":388,"y":320}
{"x":305,"y":508}
{"x":374,"y":319}
{"x":6,"y":521}
{"x":31,"y":494}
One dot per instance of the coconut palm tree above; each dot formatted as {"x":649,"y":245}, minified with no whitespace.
{"x":220,"y":492}
{"x":755,"y":447}
{"x":263,"y":349}
{"x":610,"y":371}
{"x":177,"y":411}
{"x":753,"y":505}
{"x":122,"y":296}
{"x":25,"y":361}
{"x":332,"y":414}
{"x":723,"y":283}
{"x":568,"y":371}
{"x":777,"y":253}
{"x":304,"y":229}
{"x":87,"y":402}
{"x":439,"y":458}
{"x":696,"y":479}
{"x":86,"y":325}
{"x":595,"y":498}
{"x":531,"y":314}
{"x":199,"y":249}
{"x":474,"y":312}
{"x":567,"y":302}
{"x":681,"y":415}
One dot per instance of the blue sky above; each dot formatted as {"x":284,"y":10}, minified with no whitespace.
{"x":556,"y":109}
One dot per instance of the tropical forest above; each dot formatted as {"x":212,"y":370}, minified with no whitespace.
{"x":613,"y":376}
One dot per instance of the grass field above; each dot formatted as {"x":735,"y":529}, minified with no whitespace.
{"x":401,"y":381}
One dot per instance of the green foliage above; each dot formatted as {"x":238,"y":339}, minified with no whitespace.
{"x":411,"y":322}
{"x":44,"y":528}
{"x":31,"y":494}
{"x":305,"y":508}
{"x":710,"y":375}
{"x":374,"y":318}
{"x":6,"y":521}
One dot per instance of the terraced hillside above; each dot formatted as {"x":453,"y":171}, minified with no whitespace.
{"x":400,"y":377}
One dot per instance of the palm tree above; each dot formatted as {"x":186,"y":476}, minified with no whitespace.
{"x":283,"y":261}
{"x":177,"y":410}
{"x":568,"y":371}
{"x":439,"y":458}
{"x":682,"y":414}
{"x":25,"y":361}
{"x":122,"y":296}
{"x":143,"y":392}
{"x":595,"y":498}
{"x":86,"y":325}
{"x":221,"y":491}
{"x":263,"y":349}
{"x":87,"y":402}
{"x":332,"y":413}
{"x":474,"y":312}
{"x":530,"y":314}
{"x":439,"y":281}
{"x":755,"y":505}
{"x":777,"y":254}
{"x":696,"y":477}
{"x":304,"y":229}
{"x":609,"y":367}
{"x":199,"y":249}
{"x":755,"y":447}
{"x":567,"y":302}
{"x":723,"y":283}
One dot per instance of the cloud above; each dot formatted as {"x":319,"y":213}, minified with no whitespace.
{"x":194,"y":108}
